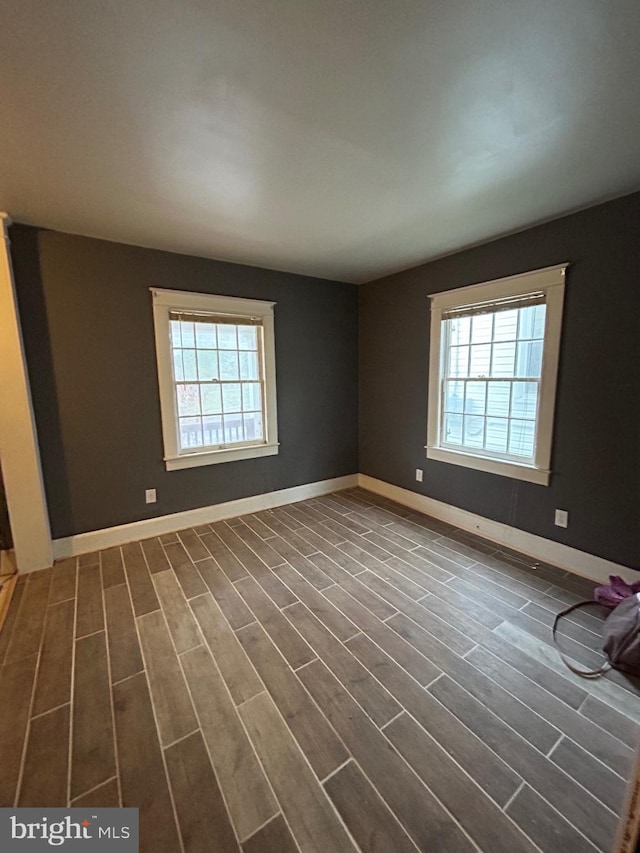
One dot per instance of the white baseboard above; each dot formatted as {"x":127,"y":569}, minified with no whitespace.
{"x":570,"y":559}
{"x":96,"y":540}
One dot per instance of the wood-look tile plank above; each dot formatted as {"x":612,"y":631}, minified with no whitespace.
{"x":105,"y":796}
{"x":90,"y":608}
{"x":112,"y":567}
{"x":91,"y":559}
{"x":10,"y":618}
{"x":544,"y":825}
{"x":579,"y":807}
{"x":171,"y":701}
{"x":369,"y":599}
{"x":63,"y":580}
{"x":186,"y":572}
{"x":318,"y":604}
{"x":155,"y":555}
{"x":308,"y":570}
{"x":44,"y":781}
{"x":270,"y":583}
{"x":286,"y":638}
{"x":258,"y":526}
{"x":500,"y":601}
{"x":193,"y":544}
{"x":612,"y":721}
{"x":228,"y":562}
{"x":202,"y":528}
{"x":53,"y":686}
{"x":274,"y":837}
{"x":168,"y":538}
{"x":182,"y":626}
{"x":124,"y":649}
{"x":420,"y":623}
{"x":603,"y":689}
{"x":566,"y":628}
{"x":393,"y":644}
{"x":229,"y":601}
{"x":143,"y":594}
{"x":483,"y":820}
{"x":599,"y":742}
{"x":370,"y":695}
{"x":313,"y":822}
{"x":29,"y":624}
{"x":240,"y":677}
{"x":202,"y":816}
{"x":283,"y":535}
{"x":315,"y":737}
{"x":142,"y":774}
{"x":365,"y":813}
{"x":16,"y":688}
{"x":488,"y":770}
{"x":92,"y":753}
{"x":608,"y":787}
{"x":245,"y":788}
{"x":259,"y":546}
{"x":383,"y":571}
{"x":422,"y":816}
{"x":580,"y":653}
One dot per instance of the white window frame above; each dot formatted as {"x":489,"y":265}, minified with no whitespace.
{"x":165,"y":301}
{"x":550,"y":281}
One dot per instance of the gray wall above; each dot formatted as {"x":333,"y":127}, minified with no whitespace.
{"x":596,"y":454}
{"x":88,"y":330}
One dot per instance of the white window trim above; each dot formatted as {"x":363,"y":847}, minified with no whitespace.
{"x":551,"y":281}
{"x":165,"y":301}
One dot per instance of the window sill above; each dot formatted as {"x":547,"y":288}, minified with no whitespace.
{"x":213,"y":457}
{"x":492,"y":466}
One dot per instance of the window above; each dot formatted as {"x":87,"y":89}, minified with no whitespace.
{"x":492,"y":375}
{"x":216,"y":374}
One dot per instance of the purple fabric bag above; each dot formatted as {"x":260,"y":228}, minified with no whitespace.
{"x":615,"y":592}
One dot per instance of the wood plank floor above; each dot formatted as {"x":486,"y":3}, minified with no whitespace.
{"x":334,"y":675}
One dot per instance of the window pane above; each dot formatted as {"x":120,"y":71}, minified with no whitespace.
{"x":481,"y":328}
{"x":505,"y":326}
{"x":251,"y":397}
{"x":521,"y":438}
{"x":206,"y":335}
{"x":529,"y":361}
{"x":174,"y":331}
{"x":190,"y":433}
{"x":212,"y":428}
{"x":253,"y":427}
{"x":248,"y":337}
{"x":188,"y":399}
{"x":453,"y":396}
{"x":233,"y":430}
{"x":231,"y":398}
{"x":473,"y":431}
{"x":524,"y":402}
{"x":452,"y":429}
{"x":496,"y":434}
{"x":227,"y":338}
{"x":249,"y":365}
{"x":211,"y":399}
{"x":458,"y":361}
{"x":475,"y":399}
{"x":498,"y":398}
{"x":503,"y":358}
{"x":207,"y":365}
{"x":480,"y":359}
{"x":189,"y":362}
{"x":188,"y":338}
{"x":459,"y":330}
{"x":229,"y":365}
{"x":532,"y":321}
{"x":178,"y":373}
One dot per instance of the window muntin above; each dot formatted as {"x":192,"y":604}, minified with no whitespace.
{"x":218,"y":375}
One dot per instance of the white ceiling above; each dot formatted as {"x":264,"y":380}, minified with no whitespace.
{"x":339,"y":138}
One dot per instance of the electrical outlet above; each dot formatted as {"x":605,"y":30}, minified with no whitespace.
{"x":150,"y":496}
{"x":419,"y":474}
{"x":562,"y":518}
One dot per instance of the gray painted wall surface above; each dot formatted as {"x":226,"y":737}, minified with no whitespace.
{"x":596,"y":454}
{"x":88,"y":331}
